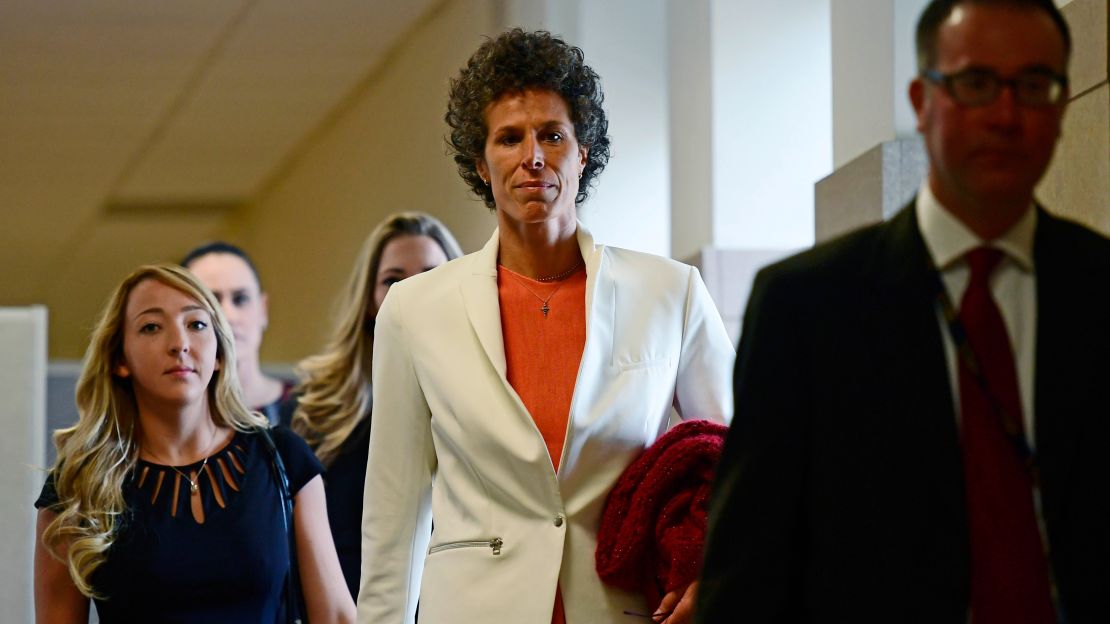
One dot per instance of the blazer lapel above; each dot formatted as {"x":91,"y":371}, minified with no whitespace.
{"x":597,"y":350}
{"x":479,"y":296}
{"x":599,"y":297}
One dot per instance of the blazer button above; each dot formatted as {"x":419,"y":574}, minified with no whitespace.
{"x":558,"y":520}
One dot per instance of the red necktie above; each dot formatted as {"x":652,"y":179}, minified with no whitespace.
{"x":1009,"y":571}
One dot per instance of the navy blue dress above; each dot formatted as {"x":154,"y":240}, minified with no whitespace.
{"x":228,"y":564}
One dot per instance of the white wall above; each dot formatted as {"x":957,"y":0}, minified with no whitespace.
{"x":22,"y":452}
{"x":862,"y":77}
{"x":690,"y":125}
{"x":623,"y":42}
{"x":904,"y":26}
{"x":719,"y":114}
{"x":772,"y":126}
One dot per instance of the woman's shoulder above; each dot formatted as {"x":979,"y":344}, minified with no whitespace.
{"x":628,"y":266}
{"x":431,"y":298}
{"x":621,"y":258}
{"x":288,"y":443}
{"x":48,"y":497}
{"x":301,"y":464}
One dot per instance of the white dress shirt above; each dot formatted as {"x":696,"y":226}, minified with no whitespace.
{"x":1013,"y":284}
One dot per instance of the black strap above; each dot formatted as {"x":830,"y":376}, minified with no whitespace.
{"x":1011,"y":423}
{"x":292,"y":578}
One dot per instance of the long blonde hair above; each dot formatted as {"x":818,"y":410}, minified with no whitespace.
{"x":96,"y":456}
{"x":335,"y":392}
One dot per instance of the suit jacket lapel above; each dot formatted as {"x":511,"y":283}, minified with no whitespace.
{"x":920,"y":377}
{"x":901,"y":259}
{"x":915,"y":380}
{"x":1062,"y":375}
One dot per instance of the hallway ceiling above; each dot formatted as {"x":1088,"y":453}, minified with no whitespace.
{"x":176,"y":104}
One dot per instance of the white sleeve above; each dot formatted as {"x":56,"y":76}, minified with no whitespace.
{"x":703,"y":388}
{"x":396,"y":509}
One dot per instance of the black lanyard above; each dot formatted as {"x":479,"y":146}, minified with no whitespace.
{"x":1011,"y":422}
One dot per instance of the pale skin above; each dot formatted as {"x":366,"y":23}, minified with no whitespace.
{"x":403,"y":257}
{"x":247,"y":309}
{"x":532,"y":163}
{"x":169,"y":353}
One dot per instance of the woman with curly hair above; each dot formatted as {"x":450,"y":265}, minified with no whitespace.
{"x":513,"y":386}
{"x":170,"y":500}
{"x":331,"y":409}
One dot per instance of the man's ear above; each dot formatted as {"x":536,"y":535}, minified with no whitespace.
{"x":917,"y":99}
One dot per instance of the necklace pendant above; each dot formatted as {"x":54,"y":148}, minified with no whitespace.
{"x":194,"y":486}
{"x":545,"y":309}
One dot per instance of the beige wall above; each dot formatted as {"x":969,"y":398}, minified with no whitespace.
{"x":62,"y":245}
{"x":383,"y":153}
{"x":58,"y":246}
{"x":1077,"y":184}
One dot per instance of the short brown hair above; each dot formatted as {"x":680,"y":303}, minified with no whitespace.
{"x":938,"y":10}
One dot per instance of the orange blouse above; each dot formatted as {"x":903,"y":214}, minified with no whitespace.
{"x":543,"y":325}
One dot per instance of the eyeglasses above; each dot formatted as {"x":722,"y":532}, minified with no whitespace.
{"x":1033,"y":88}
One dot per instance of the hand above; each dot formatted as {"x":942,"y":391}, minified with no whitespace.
{"x":677,"y":607}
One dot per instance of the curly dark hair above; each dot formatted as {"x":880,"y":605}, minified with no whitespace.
{"x":515,"y":61}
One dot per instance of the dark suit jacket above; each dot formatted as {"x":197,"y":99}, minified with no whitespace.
{"x":840,"y":492}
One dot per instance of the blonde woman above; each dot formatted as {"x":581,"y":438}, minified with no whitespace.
{"x":165,"y":503}
{"x":332,"y":409}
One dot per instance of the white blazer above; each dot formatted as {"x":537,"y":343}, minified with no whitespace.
{"x":452,"y":440}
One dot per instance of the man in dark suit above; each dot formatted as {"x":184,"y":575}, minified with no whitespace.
{"x":889,"y":462}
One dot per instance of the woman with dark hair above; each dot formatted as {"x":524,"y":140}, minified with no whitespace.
{"x":513,"y":386}
{"x":230,"y":274}
{"x":331,"y":408}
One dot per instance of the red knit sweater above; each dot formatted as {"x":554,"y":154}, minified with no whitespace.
{"x":653,"y":526}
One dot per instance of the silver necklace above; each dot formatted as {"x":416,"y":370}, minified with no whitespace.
{"x":194,"y":486}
